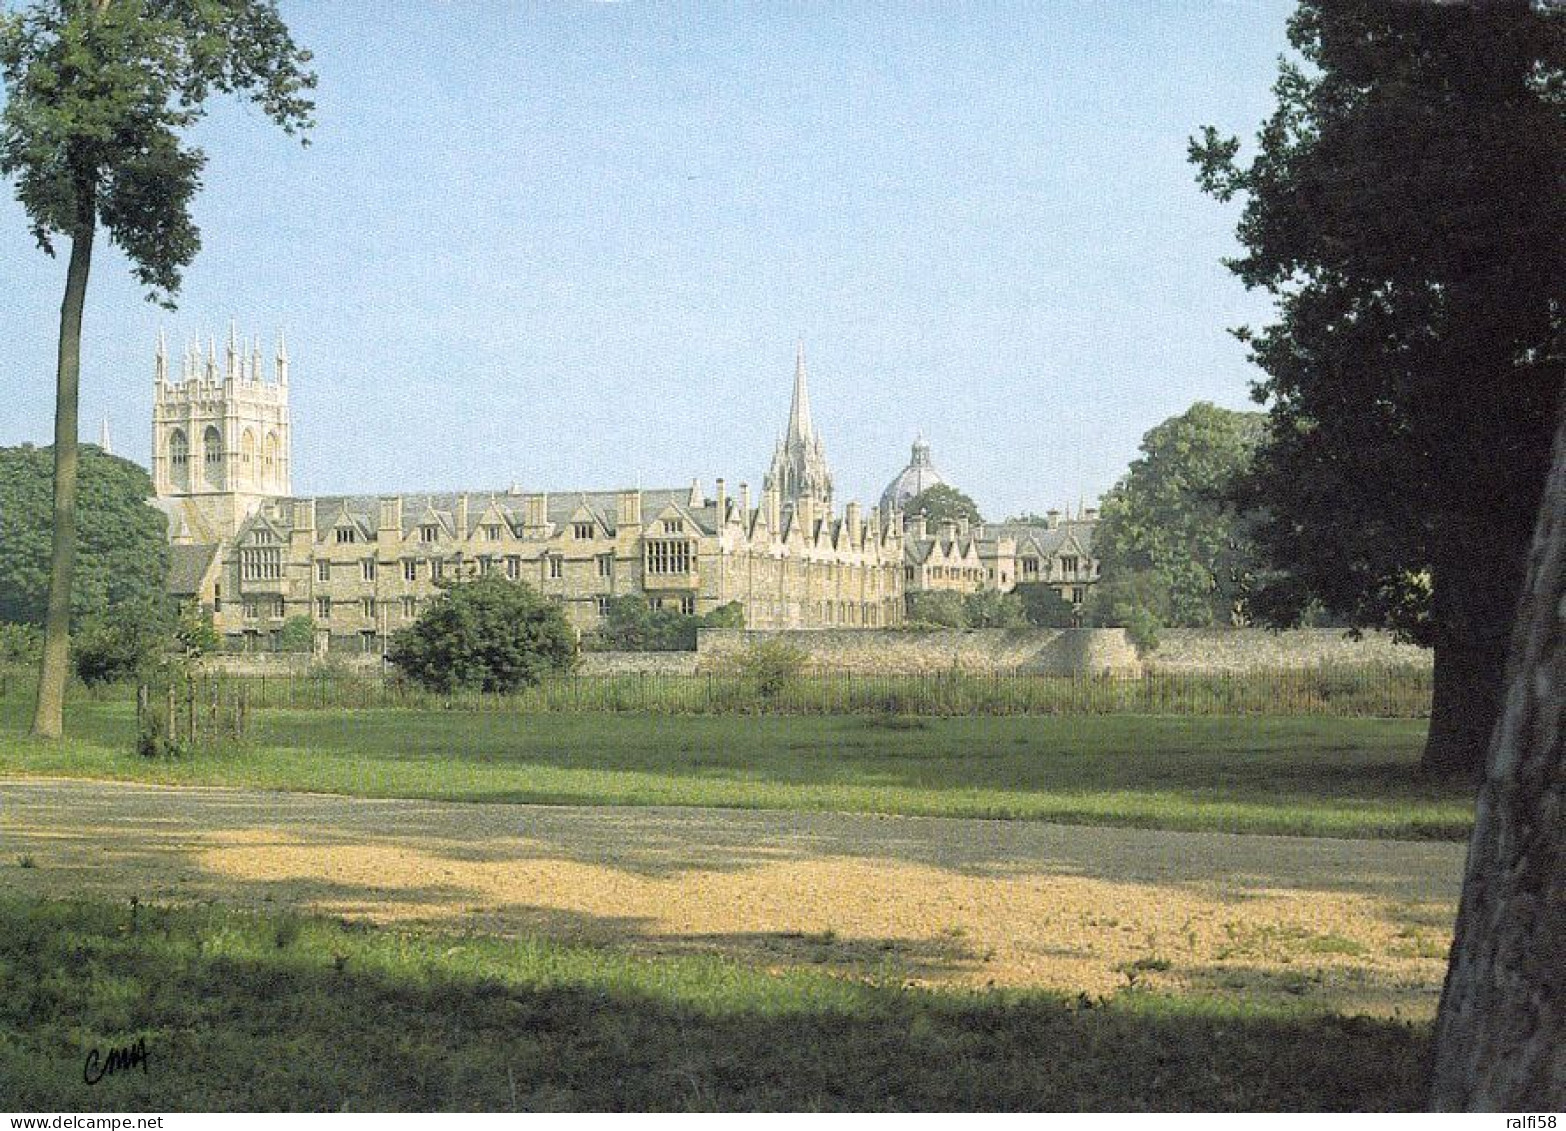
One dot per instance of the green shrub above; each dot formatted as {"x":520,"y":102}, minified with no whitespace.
{"x":485,"y":634}
{"x":768,"y":667}
{"x":128,"y":645}
{"x":297,"y":634}
{"x":20,"y":644}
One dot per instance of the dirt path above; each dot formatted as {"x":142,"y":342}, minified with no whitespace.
{"x":1360,"y":925}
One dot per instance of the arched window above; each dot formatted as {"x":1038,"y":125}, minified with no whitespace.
{"x":212,"y":451}
{"x":269,"y":455}
{"x":247,"y":456}
{"x":179,"y":459}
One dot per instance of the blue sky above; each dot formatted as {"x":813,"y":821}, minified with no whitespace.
{"x":574,"y":244}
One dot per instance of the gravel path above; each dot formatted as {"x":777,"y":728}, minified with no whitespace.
{"x":1358,"y":925}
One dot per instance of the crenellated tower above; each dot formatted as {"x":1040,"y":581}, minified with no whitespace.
{"x":220,"y":435}
{"x":799,"y":468}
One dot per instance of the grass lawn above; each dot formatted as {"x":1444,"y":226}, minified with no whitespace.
{"x":251,"y":1012}
{"x":1310,"y":776}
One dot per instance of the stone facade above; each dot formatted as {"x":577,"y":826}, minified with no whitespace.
{"x":361,"y":567}
{"x":972,"y":558}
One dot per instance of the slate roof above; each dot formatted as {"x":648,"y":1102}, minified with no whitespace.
{"x":365,"y":510}
{"x":187,"y":566}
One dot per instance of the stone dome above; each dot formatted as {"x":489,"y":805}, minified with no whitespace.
{"x":919,"y":476}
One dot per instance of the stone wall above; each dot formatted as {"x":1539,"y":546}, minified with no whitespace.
{"x":288,"y":663}
{"x":1249,"y":649}
{"x":300,"y":663}
{"x":897,"y":651}
{"x":1066,"y":651}
{"x":625,"y":663}
{"x":1044,"y":651}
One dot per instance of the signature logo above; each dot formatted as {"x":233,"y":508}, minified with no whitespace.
{"x":119,"y":1060}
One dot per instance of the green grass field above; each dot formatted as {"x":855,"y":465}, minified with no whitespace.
{"x":1309,"y":776}
{"x":254,"y":1013}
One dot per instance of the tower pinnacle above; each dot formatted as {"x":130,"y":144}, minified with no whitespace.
{"x":799,"y":423}
{"x":799,"y":468}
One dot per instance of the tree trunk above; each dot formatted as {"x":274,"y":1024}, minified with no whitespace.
{"x":1475,"y":600}
{"x":1501,"y":1029}
{"x":49,"y":714}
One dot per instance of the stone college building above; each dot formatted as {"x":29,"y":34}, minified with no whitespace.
{"x":360,"y":567}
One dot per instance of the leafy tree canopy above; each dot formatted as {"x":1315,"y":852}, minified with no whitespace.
{"x":122,"y":544}
{"x":949,"y":609}
{"x":485,"y":634}
{"x":633,"y":625}
{"x":992,"y":609}
{"x":1044,"y":607}
{"x":97,"y":94}
{"x":1171,"y":517}
{"x":942,"y":503}
{"x":1405,"y":211}
{"x":1137,"y":601}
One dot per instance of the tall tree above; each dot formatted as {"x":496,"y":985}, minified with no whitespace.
{"x":1170,"y":520}
{"x":97,"y":94}
{"x":1406,"y":209}
{"x":1501,"y":1029}
{"x":122,"y":543}
{"x":942,"y":503}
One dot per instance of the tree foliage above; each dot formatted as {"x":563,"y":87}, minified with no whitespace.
{"x":1137,"y":601}
{"x":769,"y":666}
{"x":122,"y":545}
{"x":485,"y":634}
{"x":1044,"y":607}
{"x":97,"y":93}
{"x":1406,"y":210}
{"x":1171,"y":521}
{"x":946,"y":608}
{"x":297,"y":634}
{"x":142,"y":639}
{"x":942,"y":503}
{"x":631,"y":624}
{"x":129,"y":645}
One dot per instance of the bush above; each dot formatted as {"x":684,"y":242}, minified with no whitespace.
{"x":992,"y":609}
{"x":485,"y":634}
{"x":20,"y":644}
{"x":632,"y":625}
{"x":770,"y":666}
{"x":945,"y":608}
{"x":129,"y":644}
{"x":1044,"y":607}
{"x":297,"y":634}
{"x":1137,"y":602}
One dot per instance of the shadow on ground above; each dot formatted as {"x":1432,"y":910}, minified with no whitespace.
{"x":241,"y":1013}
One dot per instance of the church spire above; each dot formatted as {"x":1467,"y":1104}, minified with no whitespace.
{"x":799,"y":425}
{"x":799,"y":468}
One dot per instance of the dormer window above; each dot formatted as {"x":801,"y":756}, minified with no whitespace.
{"x":492,"y":532}
{"x":346,"y":535}
{"x":674,"y":526}
{"x":429,"y":532}
{"x":582,"y":531}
